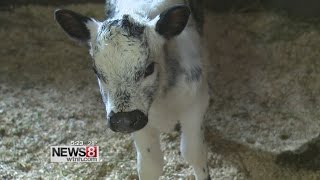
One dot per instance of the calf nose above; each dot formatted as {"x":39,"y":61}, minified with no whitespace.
{"x":127,"y":122}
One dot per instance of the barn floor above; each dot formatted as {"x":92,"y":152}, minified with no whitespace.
{"x":264,"y":78}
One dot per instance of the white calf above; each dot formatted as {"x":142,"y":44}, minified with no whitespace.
{"x":148,"y":59}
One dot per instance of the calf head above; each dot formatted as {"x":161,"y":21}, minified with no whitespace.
{"x":126,"y":57}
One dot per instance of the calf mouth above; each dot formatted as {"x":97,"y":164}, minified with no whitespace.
{"x":128,"y":124}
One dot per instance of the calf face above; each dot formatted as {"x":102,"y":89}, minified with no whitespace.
{"x":127,"y":59}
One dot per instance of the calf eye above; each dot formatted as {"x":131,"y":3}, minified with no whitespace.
{"x":149,"y":70}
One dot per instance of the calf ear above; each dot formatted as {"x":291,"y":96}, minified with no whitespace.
{"x":172,"y":21}
{"x":77,"y":26}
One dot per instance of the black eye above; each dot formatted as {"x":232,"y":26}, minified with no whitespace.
{"x":149,"y":70}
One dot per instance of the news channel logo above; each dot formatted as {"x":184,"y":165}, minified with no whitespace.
{"x":75,"y":152}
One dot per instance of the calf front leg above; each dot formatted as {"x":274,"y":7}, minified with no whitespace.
{"x":149,"y":154}
{"x":193,"y":146}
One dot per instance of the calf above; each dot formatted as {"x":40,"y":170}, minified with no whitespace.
{"x":148,"y":58}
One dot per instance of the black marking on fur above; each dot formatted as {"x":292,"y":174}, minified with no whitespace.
{"x":126,"y":27}
{"x":173,"y":68}
{"x":204,"y":170}
{"x":194,"y":74}
{"x":126,"y":24}
{"x":172,"y":21}
{"x":73,"y":24}
{"x":139,"y":73}
{"x":149,"y":92}
{"x":104,"y":27}
{"x":114,"y":23}
{"x":140,"y":70}
{"x":134,"y":29}
{"x":110,"y":9}
{"x":148,"y":150}
{"x":122,"y":100}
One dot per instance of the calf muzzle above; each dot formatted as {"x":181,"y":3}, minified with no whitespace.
{"x":127,"y":122}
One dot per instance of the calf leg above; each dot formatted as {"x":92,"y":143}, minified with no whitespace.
{"x":193,"y":147}
{"x":149,"y":154}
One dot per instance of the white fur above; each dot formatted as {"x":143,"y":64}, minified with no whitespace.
{"x":143,"y":9}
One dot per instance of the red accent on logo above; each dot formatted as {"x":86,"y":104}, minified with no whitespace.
{"x":91,"y":151}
